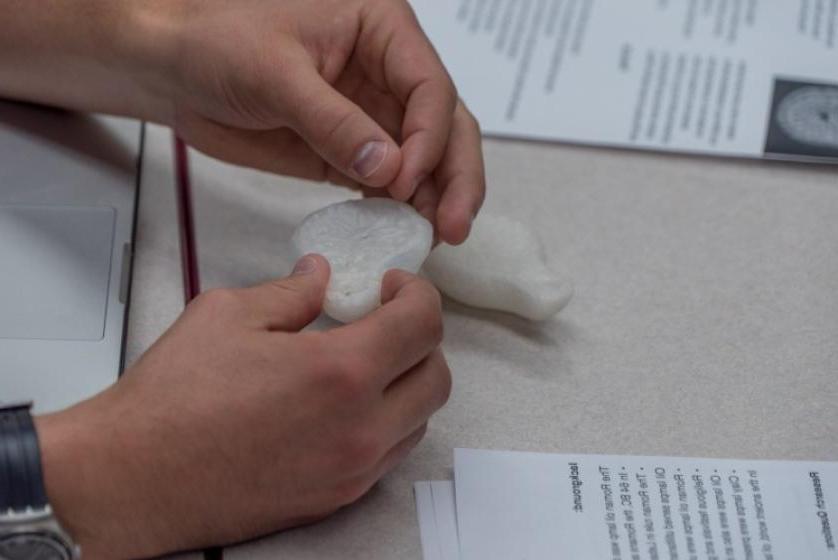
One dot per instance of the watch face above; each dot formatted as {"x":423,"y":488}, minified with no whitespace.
{"x":32,"y":546}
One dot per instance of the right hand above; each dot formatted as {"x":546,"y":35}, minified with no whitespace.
{"x":235,"y":424}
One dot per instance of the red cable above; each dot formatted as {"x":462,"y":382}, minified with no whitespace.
{"x":186,"y":222}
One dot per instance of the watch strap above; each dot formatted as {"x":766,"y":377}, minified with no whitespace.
{"x":21,"y":477}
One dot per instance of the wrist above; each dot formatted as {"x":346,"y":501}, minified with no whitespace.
{"x":136,"y":48}
{"x":149,"y":51}
{"x":67,"y":469}
{"x":84,"y":476}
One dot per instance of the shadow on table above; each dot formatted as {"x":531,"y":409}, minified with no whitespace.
{"x":510,"y":339}
{"x":539,"y":332}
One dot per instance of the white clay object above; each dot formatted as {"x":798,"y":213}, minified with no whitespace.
{"x":362,"y":240}
{"x":500,"y":266}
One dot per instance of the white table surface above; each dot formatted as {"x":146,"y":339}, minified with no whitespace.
{"x":156,"y":282}
{"x":705,"y":320}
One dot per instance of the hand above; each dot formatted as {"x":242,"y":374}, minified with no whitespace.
{"x":235,"y":424}
{"x":349,"y":91}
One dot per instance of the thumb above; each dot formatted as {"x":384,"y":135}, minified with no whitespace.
{"x":340,"y":131}
{"x":291,"y":303}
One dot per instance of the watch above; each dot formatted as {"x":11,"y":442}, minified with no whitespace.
{"x":28,"y":528}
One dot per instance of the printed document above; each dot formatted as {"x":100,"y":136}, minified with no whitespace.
{"x":540,"y":506}
{"x":750,"y":78}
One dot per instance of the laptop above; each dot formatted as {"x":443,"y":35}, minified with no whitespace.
{"x":68,"y":196}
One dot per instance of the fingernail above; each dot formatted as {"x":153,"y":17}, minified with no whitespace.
{"x":305,"y":265}
{"x":369,"y":158}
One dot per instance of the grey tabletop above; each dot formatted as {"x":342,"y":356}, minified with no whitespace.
{"x":705,"y":319}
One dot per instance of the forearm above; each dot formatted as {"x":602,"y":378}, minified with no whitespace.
{"x":91,"y":55}
{"x":76,"y":446}
{"x":99,"y":477}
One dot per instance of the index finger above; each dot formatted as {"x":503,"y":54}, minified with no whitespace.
{"x":410,"y":68}
{"x":399,"y":334}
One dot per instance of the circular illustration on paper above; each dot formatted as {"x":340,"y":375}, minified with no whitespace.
{"x":804,"y":119}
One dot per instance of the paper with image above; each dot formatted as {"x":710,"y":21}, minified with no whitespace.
{"x":748,"y":78}
{"x":550,"y":506}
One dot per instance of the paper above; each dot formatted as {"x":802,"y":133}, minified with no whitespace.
{"x":726,"y":77}
{"x":537,"y":506}
{"x":437,"y":514}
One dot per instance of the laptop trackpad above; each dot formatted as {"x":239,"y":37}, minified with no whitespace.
{"x":55,"y":266}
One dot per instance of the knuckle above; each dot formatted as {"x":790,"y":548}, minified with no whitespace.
{"x":291,"y":292}
{"x":339,"y":122}
{"x":437,"y":328}
{"x":285,"y":288}
{"x":348,"y":370}
{"x":465,"y":112}
{"x":334,"y":122}
{"x":473,"y":122}
{"x":395,"y":279}
{"x":433,"y":293}
{"x":403,"y":13}
{"x":422,"y":431}
{"x":361,"y":450}
{"x":345,"y":374}
{"x":468,"y":118}
{"x":446,"y":383}
{"x":351,"y":491}
{"x":405,"y":8}
{"x":350,"y":382}
{"x":419,"y":434}
{"x":451,"y":91}
{"x":432,"y":315}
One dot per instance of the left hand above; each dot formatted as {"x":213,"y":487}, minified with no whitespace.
{"x":349,"y":91}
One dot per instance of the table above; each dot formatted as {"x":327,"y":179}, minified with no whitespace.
{"x":705,"y":320}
